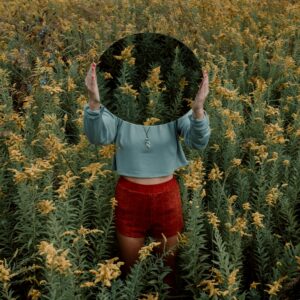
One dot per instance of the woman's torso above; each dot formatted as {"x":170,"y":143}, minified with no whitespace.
{"x":154,"y":180}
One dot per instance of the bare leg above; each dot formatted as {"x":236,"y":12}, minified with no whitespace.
{"x":129,"y":248}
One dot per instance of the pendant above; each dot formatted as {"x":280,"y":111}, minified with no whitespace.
{"x":147,"y":143}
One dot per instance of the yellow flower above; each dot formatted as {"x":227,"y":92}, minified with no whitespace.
{"x":229,"y":94}
{"x":153,"y":81}
{"x":257,"y":219}
{"x":94,"y":169}
{"x":210,"y":286}
{"x":126,"y":54}
{"x":215,"y":147}
{"x":272,"y":196}
{"x":236,"y":161}
{"x":45,"y":206}
{"x":149,"y":297}
{"x":286,"y":162}
{"x":107,"y":75}
{"x":215,"y":173}
{"x":275,"y":286}
{"x":232,"y":277}
{"x":34,"y":294}
{"x":182,"y":238}
{"x":230,"y":134}
{"x":108,"y":271}
{"x":128,"y":90}
{"x":194,"y":178}
{"x":114,"y":202}
{"x":87,"y":284}
{"x":107,"y":151}
{"x":272,"y":111}
{"x":246,"y":206}
{"x":239,"y":226}
{"x":274,"y":157}
{"x":4,"y":272}
{"x":146,"y":250}
{"x":70,"y":84}
{"x":218,"y":277}
{"x":151,"y":121}
{"x":213,"y":219}
{"x":53,"y":259}
{"x":254,"y":284}
{"x":67,"y":182}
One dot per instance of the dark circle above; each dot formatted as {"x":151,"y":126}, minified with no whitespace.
{"x":175,"y":64}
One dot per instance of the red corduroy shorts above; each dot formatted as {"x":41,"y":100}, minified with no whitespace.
{"x":143,"y":208}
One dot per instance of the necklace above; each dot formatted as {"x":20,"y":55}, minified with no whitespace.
{"x":147,"y":140}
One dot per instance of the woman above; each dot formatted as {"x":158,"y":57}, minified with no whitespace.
{"x":148,"y":194}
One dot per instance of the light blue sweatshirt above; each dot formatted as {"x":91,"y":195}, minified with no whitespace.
{"x":133,"y":158}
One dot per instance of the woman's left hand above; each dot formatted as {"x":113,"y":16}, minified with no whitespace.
{"x":202,"y":93}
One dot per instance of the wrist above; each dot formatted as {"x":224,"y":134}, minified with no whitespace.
{"x":198,"y":114}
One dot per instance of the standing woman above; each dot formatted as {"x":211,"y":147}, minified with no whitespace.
{"x":147,"y":193}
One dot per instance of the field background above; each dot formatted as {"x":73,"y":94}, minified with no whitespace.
{"x":241,"y":195}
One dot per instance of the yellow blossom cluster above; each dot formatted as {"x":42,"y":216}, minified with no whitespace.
{"x":105,"y":273}
{"x":274,"y":288}
{"x":55,"y":259}
{"x":230,"y":202}
{"x":228,"y":94}
{"x":32,"y":173}
{"x":66,"y":183}
{"x":94,"y":169}
{"x":126,"y":55}
{"x":4,"y":272}
{"x":34,"y":294}
{"x":194,"y":178}
{"x":114,"y":202}
{"x":107,"y":151}
{"x":54,"y":147}
{"x":45,"y":206}
{"x":182,"y":238}
{"x":81,"y":233}
{"x":215,"y":173}
{"x":210,"y":284}
{"x":128,"y":90}
{"x":146,"y":250}
{"x":257,"y":219}
{"x":272,"y":132}
{"x":153,"y":81}
{"x":151,"y":121}
{"x":240,"y":226}
{"x":149,"y":297}
{"x":213,"y":219}
{"x":273,"y":196}
{"x":15,"y":144}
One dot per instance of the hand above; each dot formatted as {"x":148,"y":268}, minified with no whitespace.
{"x":202,"y":93}
{"x":91,"y":83}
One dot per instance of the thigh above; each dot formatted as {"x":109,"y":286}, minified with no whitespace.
{"x":129,"y":247}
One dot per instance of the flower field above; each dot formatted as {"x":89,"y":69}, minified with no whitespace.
{"x":240,"y":195}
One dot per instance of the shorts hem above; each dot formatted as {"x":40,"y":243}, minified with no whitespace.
{"x":130,"y":234}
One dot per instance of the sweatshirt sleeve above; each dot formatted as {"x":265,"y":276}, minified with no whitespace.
{"x":100,"y":125}
{"x":196,"y":133}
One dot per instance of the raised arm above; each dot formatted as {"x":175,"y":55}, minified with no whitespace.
{"x":99,"y":124}
{"x":196,"y":132}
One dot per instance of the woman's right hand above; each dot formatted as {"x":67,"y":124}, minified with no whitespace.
{"x":92,"y":85}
